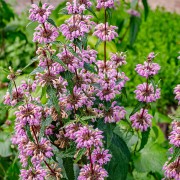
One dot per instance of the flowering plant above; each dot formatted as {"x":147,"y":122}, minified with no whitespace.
{"x":69,"y":110}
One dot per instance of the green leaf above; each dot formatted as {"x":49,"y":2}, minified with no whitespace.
{"x":118,"y":166}
{"x":69,"y":77}
{"x":27,"y":127}
{"x":97,"y":43}
{"x":36,"y":70}
{"x":44,"y":124}
{"x":81,"y":152}
{"x":92,"y":11}
{"x":63,"y":11}
{"x":56,"y":59}
{"x":137,"y":107}
{"x":134,"y":28}
{"x":40,"y":4}
{"x":153,"y":84}
{"x":51,"y":21}
{"x":5,"y":144}
{"x":32,"y":61}
{"x":146,"y":9}
{"x":84,"y":118}
{"x":76,"y":171}
{"x":134,"y":3}
{"x":69,"y":168}
{"x":109,"y":11}
{"x":10,"y":87}
{"x":78,"y":43}
{"x":144,"y":140}
{"x":84,"y":41}
{"x":176,"y":154}
{"x":151,"y":158}
{"x":89,"y":67}
{"x":52,"y":93}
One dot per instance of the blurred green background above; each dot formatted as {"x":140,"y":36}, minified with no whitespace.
{"x":155,"y":30}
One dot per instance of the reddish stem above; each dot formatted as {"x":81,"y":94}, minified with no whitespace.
{"x":90,"y":158}
{"x":105,"y":20}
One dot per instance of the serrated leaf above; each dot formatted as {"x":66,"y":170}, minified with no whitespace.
{"x":68,"y":165}
{"x":36,"y":70}
{"x":137,"y":107}
{"x":44,"y":124}
{"x":118,"y":166}
{"x":56,"y":59}
{"x":52,"y":93}
{"x":51,"y":21}
{"x":144,"y":140}
{"x":81,"y":152}
{"x":151,"y":158}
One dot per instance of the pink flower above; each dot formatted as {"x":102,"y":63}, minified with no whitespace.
{"x":174,"y":136}
{"x":172,"y":169}
{"x":75,"y":7}
{"x":100,"y":156}
{"x":86,"y":137}
{"x":70,"y":60}
{"x":133,"y":12}
{"x":17,"y":96}
{"x":141,"y":120}
{"x":71,"y":129}
{"x":118,"y":58}
{"x":148,"y":69}
{"x":33,"y":173}
{"x":114,"y":114}
{"x":76,"y":26}
{"x":177,"y":93}
{"x":45,"y":34}
{"x":105,"y":32}
{"x":98,"y":172}
{"x":89,"y":56}
{"x":29,"y":113}
{"x":146,"y":93}
{"x":105,"y":4}
{"x":40,"y":14}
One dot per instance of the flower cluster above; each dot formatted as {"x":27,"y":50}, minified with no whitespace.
{"x":73,"y":84}
{"x":90,"y":139}
{"x":145,"y":93}
{"x":171,"y":168}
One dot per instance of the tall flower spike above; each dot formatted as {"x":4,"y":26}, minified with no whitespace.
{"x":40,"y":14}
